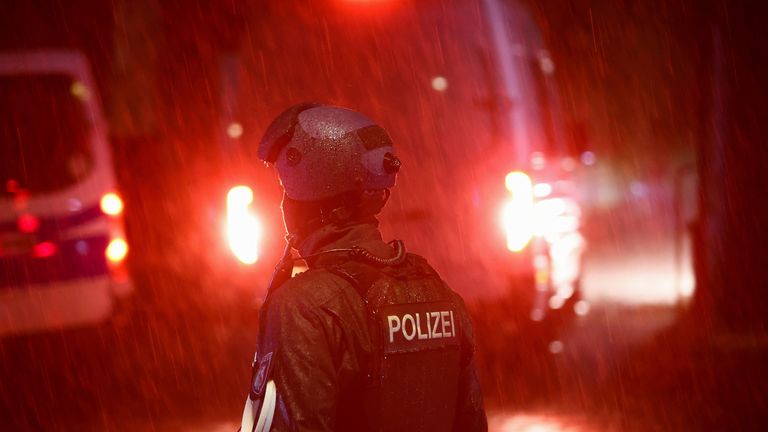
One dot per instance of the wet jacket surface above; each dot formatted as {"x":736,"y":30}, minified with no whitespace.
{"x":317,"y":328}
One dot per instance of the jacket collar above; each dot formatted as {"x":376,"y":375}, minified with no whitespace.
{"x":363,"y":235}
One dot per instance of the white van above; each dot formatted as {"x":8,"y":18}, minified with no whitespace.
{"x":62,"y":242}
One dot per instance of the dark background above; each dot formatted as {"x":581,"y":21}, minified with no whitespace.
{"x":650,"y":86}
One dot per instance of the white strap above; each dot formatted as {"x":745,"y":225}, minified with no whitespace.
{"x":267,"y":408}
{"x":249,"y":416}
{"x":266,"y":415}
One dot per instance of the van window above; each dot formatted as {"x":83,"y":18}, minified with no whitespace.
{"x":44,"y":133}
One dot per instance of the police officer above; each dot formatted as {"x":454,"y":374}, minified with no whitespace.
{"x":369,"y":338}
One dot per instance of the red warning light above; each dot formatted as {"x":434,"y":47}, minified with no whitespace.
{"x":28,"y":223}
{"x":44,"y":249}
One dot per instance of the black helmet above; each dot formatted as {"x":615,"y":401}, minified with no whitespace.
{"x":322,"y":151}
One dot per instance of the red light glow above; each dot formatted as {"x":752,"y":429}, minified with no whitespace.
{"x":368,"y":8}
{"x":44,"y":249}
{"x":28,"y":223}
{"x":11,"y":186}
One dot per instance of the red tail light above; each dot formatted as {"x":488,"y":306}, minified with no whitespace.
{"x":28,"y":223}
{"x":44,"y":249}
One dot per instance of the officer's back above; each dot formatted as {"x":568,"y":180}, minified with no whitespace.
{"x":370,"y":337}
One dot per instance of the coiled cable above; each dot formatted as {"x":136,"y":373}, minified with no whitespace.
{"x":360,"y":254}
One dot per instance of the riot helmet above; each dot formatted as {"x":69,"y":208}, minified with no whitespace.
{"x":321,"y":151}
{"x":334,"y":164}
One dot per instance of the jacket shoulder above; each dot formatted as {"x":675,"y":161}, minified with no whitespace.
{"x":311,"y":288}
{"x":419,"y":266}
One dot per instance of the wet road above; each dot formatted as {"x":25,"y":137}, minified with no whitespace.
{"x":558,"y":392}
{"x":601,"y":377}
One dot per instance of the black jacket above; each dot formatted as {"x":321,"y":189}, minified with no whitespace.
{"x":317,"y":327}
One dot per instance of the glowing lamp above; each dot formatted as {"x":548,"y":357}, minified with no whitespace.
{"x":111,"y":204}
{"x":117,"y":250}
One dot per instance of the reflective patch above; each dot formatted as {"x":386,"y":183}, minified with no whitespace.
{"x":261,"y":376}
{"x":419,"y":326}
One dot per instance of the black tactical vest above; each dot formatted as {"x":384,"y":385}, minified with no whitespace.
{"x":415,"y":325}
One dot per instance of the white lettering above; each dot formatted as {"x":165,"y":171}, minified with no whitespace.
{"x":408,"y":318}
{"x":440,"y":324}
{"x":436,"y":334}
{"x":453,"y":327}
{"x":429,"y":327}
{"x":444,"y":321}
{"x":393,"y":319}
{"x":420,"y":335}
